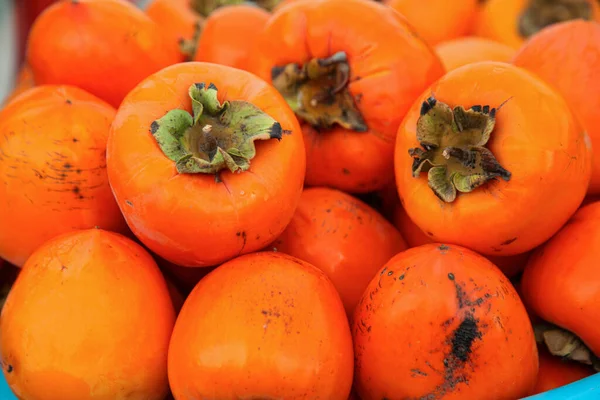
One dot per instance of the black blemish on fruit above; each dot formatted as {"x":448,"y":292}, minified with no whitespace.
{"x":507,"y":242}
{"x":346,"y":171}
{"x":463,"y":338}
{"x":154,"y":127}
{"x":451,"y":276}
{"x":67,"y":166}
{"x":9,"y":368}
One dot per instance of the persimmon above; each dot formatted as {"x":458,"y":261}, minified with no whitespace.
{"x":466,"y":50}
{"x":437,"y":20}
{"x":486,"y":155}
{"x":555,"y":372}
{"x":567,"y":55}
{"x":23,"y":82}
{"x":199,"y":190}
{"x":344,"y":237}
{"x":229,"y":33}
{"x":77,"y":323}
{"x":264,"y":325}
{"x":53,"y":168}
{"x":512,"y":22}
{"x":103,"y":46}
{"x":561,"y":284}
{"x":511,"y":266}
{"x":442,"y":322}
{"x":349,"y":86}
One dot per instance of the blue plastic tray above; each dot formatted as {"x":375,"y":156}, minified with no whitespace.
{"x":585,"y":389}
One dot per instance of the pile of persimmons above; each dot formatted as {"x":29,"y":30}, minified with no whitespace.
{"x":302,"y":199}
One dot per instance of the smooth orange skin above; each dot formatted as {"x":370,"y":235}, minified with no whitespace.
{"x":561,"y":282}
{"x":103,"y":46}
{"x":23,"y":82}
{"x":176,"y":19}
{"x":168,"y":211}
{"x":264,"y":325}
{"x":76,"y":324}
{"x":567,"y":56}
{"x":229,"y":33}
{"x":437,"y":20}
{"x":342,"y":236}
{"x":536,"y":138}
{"x":386,"y":75}
{"x":510,"y":265}
{"x":466,"y":50}
{"x":53,"y":168}
{"x":555,"y":372}
{"x":498,"y":20}
{"x":404,"y":325}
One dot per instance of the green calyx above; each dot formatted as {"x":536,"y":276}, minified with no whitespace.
{"x":317,"y":92}
{"x":453,"y":151}
{"x":565,"y":344}
{"x":205,"y":7}
{"x":216,"y":136}
{"x":541,"y":13}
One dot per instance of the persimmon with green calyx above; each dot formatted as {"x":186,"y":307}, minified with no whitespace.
{"x":343,"y":82}
{"x":442,"y":322}
{"x":561,"y":284}
{"x":481,"y":150}
{"x":105,"y":47}
{"x":206,"y":162}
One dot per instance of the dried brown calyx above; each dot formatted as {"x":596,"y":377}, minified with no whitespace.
{"x":317,"y":92}
{"x":541,"y":13}
{"x":453,"y":151}
{"x":565,"y":344}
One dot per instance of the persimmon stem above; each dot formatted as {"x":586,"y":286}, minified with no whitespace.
{"x":453,"y":151}
{"x":541,"y":13}
{"x":189,"y":46}
{"x":562,"y":343}
{"x":318,"y":92}
{"x":217,"y":135}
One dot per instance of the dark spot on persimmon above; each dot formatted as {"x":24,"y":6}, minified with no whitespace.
{"x":429,"y":233}
{"x":451,"y":276}
{"x":9,"y":368}
{"x":345,"y":171}
{"x":76,"y":190}
{"x":507,"y":242}
{"x":463,"y":338}
{"x":63,"y":268}
{"x":443,"y":248}
{"x":129,"y":203}
{"x":401,"y":277}
{"x":67,"y":165}
{"x":328,"y":210}
{"x":75,"y":140}
{"x":78,"y":170}
{"x":154,"y":127}
{"x":390,"y":273}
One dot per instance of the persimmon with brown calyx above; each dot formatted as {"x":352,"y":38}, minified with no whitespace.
{"x":105,"y":47}
{"x":512,"y":22}
{"x":349,"y":86}
{"x":438,"y":322}
{"x":561,"y":284}
{"x":469,"y":49}
{"x":229,"y":33}
{"x":206,"y":162}
{"x":437,"y":20}
{"x":88,"y":318}
{"x":262,"y":326}
{"x":343,"y":237}
{"x":486,"y":144}
{"x":53,"y":168}
{"x":567,"y":56}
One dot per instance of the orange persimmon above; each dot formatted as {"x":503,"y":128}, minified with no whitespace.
{"x":512,"y":22}
{"x":200,"y":190}
{"x":442,"y":322}
{"x":437,"y":20}
{"x":561,"y":284}
{"x":349,"y":86}
{"x":567,"y":56}
{"x":486,"y":155}
{"x":555,"y":372}
{"x":103,"y":46}
{"x":88,"y":318}
{"x":264,"y":325}
{"x":466,"y":50}
{"x":344,"y":237}
{"x":53,"y":168}
{"x":229,"y":33}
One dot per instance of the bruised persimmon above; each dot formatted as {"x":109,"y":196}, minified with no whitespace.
{"x":262,"y":326}
{"x":561,"y":284}
{"x":466,"y":50}
{"x":555,"y":372}
{"x":200,"y":189}
{"x":437,"y":20}
{"x":442,"y":322}
{"x":567,"y":56}
{"x":342,"y":236}
{"x":103,"y":46}
{"x":486,"y":155}
{"x":53,"y":168}
{"x":512,"y":22}
{"x":89,"y":318}
{"x":229,"y":33}
{"x":349,"y":86}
